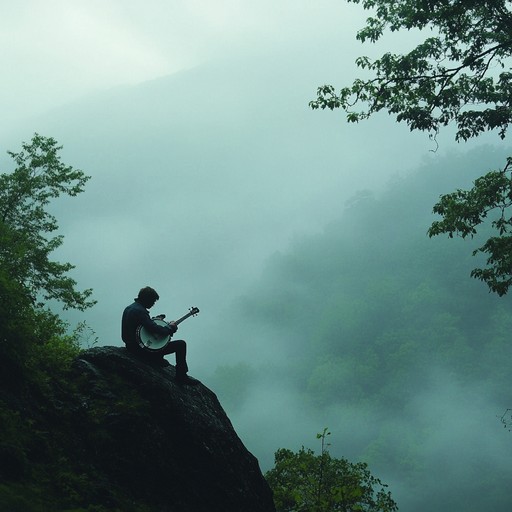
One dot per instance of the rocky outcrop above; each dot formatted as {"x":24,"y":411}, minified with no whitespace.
{"x":165,"y":446}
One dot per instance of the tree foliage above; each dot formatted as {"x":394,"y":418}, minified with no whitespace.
{"x":35,"y":348}
{"x":27,"y":227}
{"x":33,"y":340}
{"x":305,"y":482}
{"x":463,"y":210}
{"x":460,"y":73}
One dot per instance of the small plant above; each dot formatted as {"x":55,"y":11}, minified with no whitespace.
{"x":85,"y":335}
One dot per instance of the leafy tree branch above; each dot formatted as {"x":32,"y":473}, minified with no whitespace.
{"x":460,"y":74}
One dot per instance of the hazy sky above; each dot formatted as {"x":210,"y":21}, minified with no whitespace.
{"x":242,"y":127}
{"x":56,"y":50}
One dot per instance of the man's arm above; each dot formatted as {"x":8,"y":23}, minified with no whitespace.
{"x":162,"y":330}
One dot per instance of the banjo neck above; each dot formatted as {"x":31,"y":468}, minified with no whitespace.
{"x":192,"y":312}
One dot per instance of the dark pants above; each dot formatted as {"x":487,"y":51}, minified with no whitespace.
{"x":178,"y":347}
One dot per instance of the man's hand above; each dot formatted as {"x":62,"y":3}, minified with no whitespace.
{"x":160,"y":317}
{"x":173,"y":326}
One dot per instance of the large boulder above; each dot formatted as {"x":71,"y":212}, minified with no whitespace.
{"x":168,"y":446}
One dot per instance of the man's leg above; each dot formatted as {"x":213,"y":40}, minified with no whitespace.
{"x":152,"y":357}
{"x":178,"y":347}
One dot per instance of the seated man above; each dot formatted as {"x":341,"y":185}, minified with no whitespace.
{"x":137,"y":314}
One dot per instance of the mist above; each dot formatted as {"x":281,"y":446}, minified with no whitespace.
{"x":377,"y":332}
{"x":301,"y":239}
{"x":198,"y":177}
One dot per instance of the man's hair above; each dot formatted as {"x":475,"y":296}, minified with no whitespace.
{"x":147,"y":294}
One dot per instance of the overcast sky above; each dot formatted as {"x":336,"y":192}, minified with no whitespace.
{"x":96,"y":56}
{"x":56,"y":50}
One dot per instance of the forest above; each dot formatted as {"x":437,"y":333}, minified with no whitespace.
{"x":378,"y":330}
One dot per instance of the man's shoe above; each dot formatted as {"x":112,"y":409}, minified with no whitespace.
{"x":186,"y":380}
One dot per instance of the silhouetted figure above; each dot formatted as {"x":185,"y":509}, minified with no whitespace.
{"x":136,"y":315}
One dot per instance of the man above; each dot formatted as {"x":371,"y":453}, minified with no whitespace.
{"x":137,"y":314}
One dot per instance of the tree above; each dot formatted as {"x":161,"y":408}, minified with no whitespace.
{"x":33,"y":338}
{"x":26,"y":225}
{"x":305,"y":482}
{"x":459,"y":74}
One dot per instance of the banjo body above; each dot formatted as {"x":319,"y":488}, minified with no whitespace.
{"x":153,"y":341}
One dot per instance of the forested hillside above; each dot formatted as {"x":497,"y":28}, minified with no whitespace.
{"x":383,"y":334}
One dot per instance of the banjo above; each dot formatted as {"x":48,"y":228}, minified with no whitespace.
{"x":151,"y":341}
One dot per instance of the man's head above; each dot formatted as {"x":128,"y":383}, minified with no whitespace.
{"x":147,"y":297}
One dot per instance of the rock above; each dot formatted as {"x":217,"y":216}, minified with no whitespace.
{"x":166,"y":446}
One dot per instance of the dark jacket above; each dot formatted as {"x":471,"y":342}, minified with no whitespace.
{"x":134,"y":315}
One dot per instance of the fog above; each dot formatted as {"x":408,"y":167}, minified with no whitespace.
{"x":377,"y":332}
{"x":213,"y":182}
